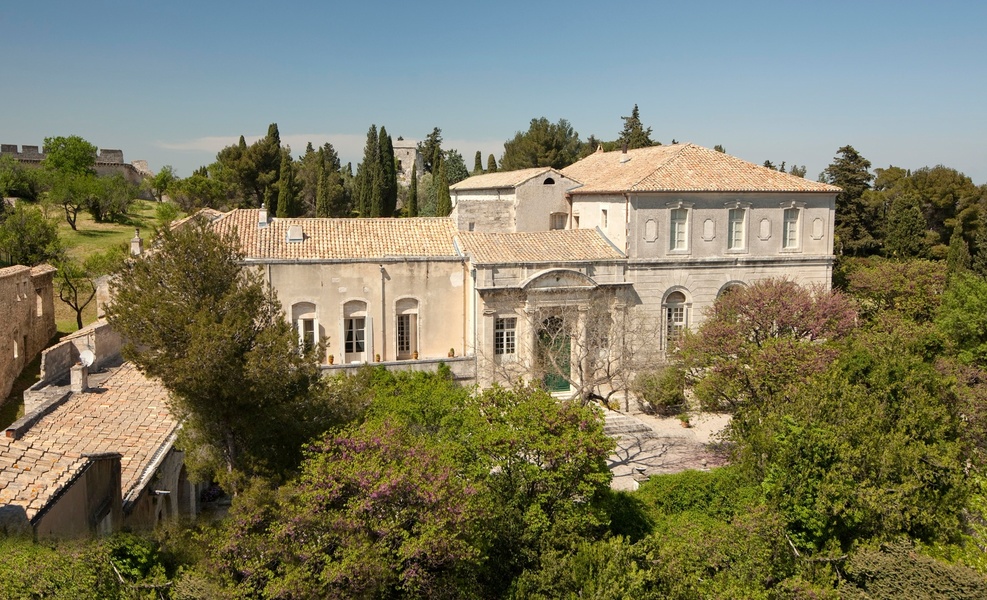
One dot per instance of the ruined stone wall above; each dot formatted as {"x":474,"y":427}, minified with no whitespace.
{"x":27,"y":319}
{"x":109,"y":162}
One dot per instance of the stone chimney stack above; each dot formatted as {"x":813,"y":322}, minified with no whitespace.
{"x":262,"y":216}
{"x":79,"y":378}
{"x":137,"y":244}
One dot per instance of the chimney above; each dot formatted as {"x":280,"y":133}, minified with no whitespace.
{"x":623,"y":156}
{"x":79,"y":378}
{"x":137,"y":244}
{"x":262,"y":216}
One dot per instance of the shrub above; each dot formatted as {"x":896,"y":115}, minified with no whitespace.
{"x":660,"y":391}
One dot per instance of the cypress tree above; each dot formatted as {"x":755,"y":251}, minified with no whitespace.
{"x":376,"y":202}
{"x":491,"y":164}
{"x":287,"y":200}
{"x":336,"y":194}
{"x":322,"y":205}
{"x":389,"y":180}
{"x":365,"y":171}
{"x":443,"y":204}
{"x":477,"y":164}
{"x":412,"y":210}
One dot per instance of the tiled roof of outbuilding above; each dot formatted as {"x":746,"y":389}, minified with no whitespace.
{"x":537,"y":246}
{"x":500,"y":179}
{"x":681,"y":168}
{"x":127,"y":414}
{"x":340,"y":239}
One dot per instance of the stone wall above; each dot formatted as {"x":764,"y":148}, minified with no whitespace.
{"x":98,"y":337}
{"x":109,"y":162}
{"x":27,"y":319}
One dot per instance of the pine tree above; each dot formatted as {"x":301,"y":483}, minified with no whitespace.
{"x":719,"y":148}
{"x":477,"y":164}
{"x":431,"y":150}
{"x":444,"y":201}
{"x":389,"y":176}
{"x":287,"y":199}
{"x":412,"y":209}
{"x":634,"y":134}
{"x":336,"y":193}
{"x":491,"y":164}
{"x":855,"y":225}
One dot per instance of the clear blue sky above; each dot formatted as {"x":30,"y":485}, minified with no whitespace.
{"x":903,"y":82}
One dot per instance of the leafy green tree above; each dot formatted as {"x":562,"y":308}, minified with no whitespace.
{"x":76,"y":281}
{"x":491,"y":164}
{"x":545,"y":144}
{"x":198,"y":191}
{"x":412,"y":208}
{"x":634,"y":135}
{"x":161,"y":181}
{"x":443,"y":198}
{"x":455,"y":167}
{"x":209,"y":328}
{"x":904,"y":233}
{"x":958,"y":258}
{"x":963,"y":318}
{"x":979,"y":262}
{"x":855,"y":221}
{"x":71,"y":154}
{"x":17,"y":181}
{"x":27,"y":237}
{"x":431,"y":150}
{"x":477,"y":164}
{"x":73,"y":192}
{"x":869,"y":449}
{"x":112,"y":199}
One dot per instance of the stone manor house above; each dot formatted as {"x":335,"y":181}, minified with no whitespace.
{"x":530,"y":263}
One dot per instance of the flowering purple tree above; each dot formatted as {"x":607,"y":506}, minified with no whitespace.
{"x":760,"y":340}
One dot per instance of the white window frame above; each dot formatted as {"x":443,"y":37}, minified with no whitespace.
{"x":791,"y":228}
{"x":505,"y":336}
{"x":676,"y":316}
{"x":737,"y":229}
{"x":355,"y":341}
{"x":678,"y":230}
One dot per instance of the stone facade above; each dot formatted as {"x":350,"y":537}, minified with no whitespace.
{"x":613,"y":246}
{"x":407,"y":157}
{"x":27,"y":319}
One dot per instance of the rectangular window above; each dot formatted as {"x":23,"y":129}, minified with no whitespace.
{"x":505,"y":336}
{"x":790,"y":231}
{"x":404,"y":334}
{"x":575,"y":221}
{"x":678,"y":235}
{"x":558,"y":221}
{"x":355,"y":334}
{"x":735,"y":233}
{"x":603,"y":219}
{"x":675,"y":320}
{"x":307,"y":334}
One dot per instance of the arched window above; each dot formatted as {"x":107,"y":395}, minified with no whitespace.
{"x":306,"y":323}
{"x":548,"y":181}
{"x":676,"y":312}
{"x":356,"y":325}
{"x":406,"y":312}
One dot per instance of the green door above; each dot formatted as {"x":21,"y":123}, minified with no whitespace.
{"x":554,"y":353}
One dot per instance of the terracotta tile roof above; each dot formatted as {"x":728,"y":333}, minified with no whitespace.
{"x":328,"y":239}
{"x":127,"y":414}
{"x":681,"y":168}
{"x":537,"y":246}
{"x":500,"y":179}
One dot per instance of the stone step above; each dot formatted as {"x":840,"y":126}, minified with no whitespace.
{"x":617,"y":423}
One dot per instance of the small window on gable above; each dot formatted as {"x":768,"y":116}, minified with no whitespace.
{"x":548,"y":181}
{"x":603,"y":218}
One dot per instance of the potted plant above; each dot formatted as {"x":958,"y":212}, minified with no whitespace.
{"x":684,"y":419}
{"x":414,"y":355}
{"x":377,"y":357}
{"x":452,"y":352}
{"x":331,"y":359}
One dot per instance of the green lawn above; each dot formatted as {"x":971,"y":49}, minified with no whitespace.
{"x":91,"y":236}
